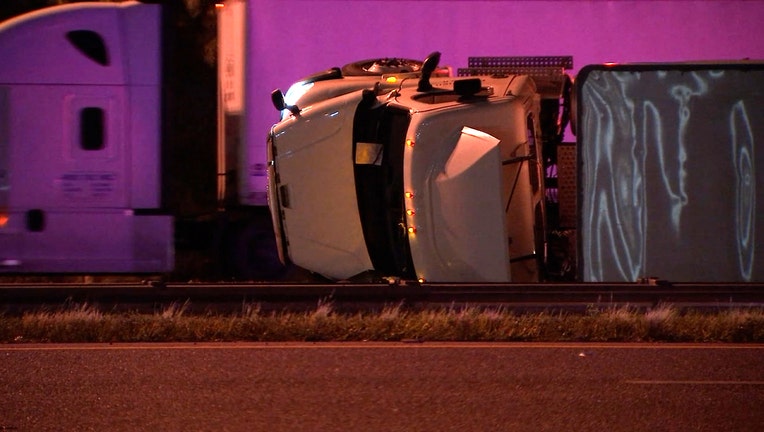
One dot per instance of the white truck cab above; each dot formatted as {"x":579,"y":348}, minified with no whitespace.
{"x":410,"y":174}
{"x":80,"y":141}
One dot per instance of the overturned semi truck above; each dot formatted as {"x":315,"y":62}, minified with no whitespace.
{"x":383,"y":168}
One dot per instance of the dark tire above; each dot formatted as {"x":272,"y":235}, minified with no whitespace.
{"x":381,"y":66}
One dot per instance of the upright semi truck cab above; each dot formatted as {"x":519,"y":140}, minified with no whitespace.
{"x":80,"y":130}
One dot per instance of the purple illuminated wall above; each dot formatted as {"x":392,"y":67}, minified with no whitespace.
{"x":289,"y":39}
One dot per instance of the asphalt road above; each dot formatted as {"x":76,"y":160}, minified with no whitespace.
{"x":382,"y":387}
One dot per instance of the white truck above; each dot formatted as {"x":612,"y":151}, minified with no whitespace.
{"x":394,"y":168}
{"x":80,"y":141}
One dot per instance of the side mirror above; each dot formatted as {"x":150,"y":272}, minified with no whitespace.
{"x":428,"y":67}
{"x":278,"y":101}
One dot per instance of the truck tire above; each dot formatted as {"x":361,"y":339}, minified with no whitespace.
{"x":381,"y":66}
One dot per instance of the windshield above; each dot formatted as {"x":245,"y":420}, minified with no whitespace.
{"x":379,"y":134}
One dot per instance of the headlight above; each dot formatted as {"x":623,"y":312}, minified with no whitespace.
{"x":294,"y":94}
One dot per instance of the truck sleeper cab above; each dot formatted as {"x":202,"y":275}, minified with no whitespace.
{"x":436,"y":179}
{"x":80,"y":98}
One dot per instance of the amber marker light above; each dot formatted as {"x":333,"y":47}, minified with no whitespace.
{"x":409,"y":143}
{"x":410,"y":212}
{"x":420,"y":280}
{"x":219,"y":5}
{"x":411,"y":230}
{"x":391,"y":80}
{"x":409,"y":194}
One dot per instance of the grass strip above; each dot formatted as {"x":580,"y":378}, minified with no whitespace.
{"x":86,"y":323}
